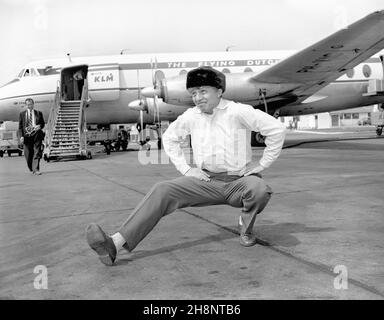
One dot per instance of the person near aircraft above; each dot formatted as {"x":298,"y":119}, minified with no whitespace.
{"x":224,"y":173}
{"x":31,"y":123}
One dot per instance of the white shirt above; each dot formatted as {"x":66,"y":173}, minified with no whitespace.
{"x":221,"y":141}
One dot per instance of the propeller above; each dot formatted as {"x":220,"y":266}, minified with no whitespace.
{"x":141,"y":110}
{"x":380,"y":106}
{"x":157,"y":76}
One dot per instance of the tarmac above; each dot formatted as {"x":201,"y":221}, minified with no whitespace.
{"x":320,"y":237}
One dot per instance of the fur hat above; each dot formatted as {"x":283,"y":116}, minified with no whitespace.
{"x":205,"y":76}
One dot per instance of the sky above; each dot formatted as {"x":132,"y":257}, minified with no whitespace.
{"x":39,"y":29}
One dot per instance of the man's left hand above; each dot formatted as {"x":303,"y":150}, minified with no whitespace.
{"x":253,"y":170}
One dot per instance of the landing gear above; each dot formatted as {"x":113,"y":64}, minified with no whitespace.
{"x":107,"y":146}
{"x":379,"y":130}
{"x":257,"y":140}
{"x":144,"y":141}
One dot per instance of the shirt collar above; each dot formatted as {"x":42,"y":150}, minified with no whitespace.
{"x":223,"y":104}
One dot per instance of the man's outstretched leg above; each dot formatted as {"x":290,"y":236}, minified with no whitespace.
{"x":162,"y":199}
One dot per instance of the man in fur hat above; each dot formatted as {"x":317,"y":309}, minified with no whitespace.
{"x":223,"y":173}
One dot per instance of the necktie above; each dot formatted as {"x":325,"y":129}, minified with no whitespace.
{"x":29,"y":121}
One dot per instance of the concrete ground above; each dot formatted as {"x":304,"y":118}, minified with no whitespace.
{"x":324,"y":222}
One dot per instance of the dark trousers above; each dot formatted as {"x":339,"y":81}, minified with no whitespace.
{"x":250,"y":193}
{"x":32,"y":152}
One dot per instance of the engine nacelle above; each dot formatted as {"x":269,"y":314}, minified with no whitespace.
{"x":239,"y":88}
{"x":151,"y":107}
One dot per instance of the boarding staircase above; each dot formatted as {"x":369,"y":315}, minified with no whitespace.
{"x":66,"y":128}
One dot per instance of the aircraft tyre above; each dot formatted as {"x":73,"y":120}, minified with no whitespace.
{"x":257,"y":140}
{"x":107,"y":146}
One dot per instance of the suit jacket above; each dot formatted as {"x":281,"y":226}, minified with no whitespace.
{"x":39,"y":119}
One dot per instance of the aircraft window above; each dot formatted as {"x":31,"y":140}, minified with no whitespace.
{"x":350,"y":73}
{"x":248,"y":69}
{"x":225,"y":70}
{"x":48,"y":71}
{"x":21,"y":73}
{"x":33,"y":72}
{"x":183,"y":72}
{"x":367,"y":71}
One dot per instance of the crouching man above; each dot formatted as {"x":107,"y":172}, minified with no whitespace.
{"x":220,"y":132}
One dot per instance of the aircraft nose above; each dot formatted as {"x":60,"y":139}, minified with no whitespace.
{"x":150,"y":92}
{"x":8,"y":111}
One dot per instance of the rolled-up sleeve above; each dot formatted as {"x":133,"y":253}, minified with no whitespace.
{"x":172,"y":139}
{"x":271,"y":128}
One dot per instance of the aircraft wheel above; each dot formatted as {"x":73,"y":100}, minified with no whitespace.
{"x":379,"y":131}
{"x":159,"y":144}
{"x":257,"y":140}
{"x":1,"y":153}
{"x":9,"y":153}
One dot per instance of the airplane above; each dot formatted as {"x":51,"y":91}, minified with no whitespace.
{"x":342,"y":71}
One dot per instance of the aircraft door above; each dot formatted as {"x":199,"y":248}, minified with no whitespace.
{"x":72,"y":82}
{"x":104,"y":82}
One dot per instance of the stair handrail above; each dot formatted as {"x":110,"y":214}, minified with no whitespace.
{"x":52,"y":119}
{"x":82,"y":119}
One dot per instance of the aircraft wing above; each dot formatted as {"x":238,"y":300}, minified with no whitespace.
{"x":325,"y":61}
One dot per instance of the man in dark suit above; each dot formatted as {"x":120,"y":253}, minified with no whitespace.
{"x":30,"y":124}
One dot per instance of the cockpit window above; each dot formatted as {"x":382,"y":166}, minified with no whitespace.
{"x":48,"y":71}
{"x":21,"y":73}
{"x":30,"y":72}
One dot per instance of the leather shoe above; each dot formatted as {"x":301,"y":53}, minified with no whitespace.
{"x":246,"y":239}
{"x":101,"y":243}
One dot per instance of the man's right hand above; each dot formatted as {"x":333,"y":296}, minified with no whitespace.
{"x":22,"y":140}
{"x":197,"y":173}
